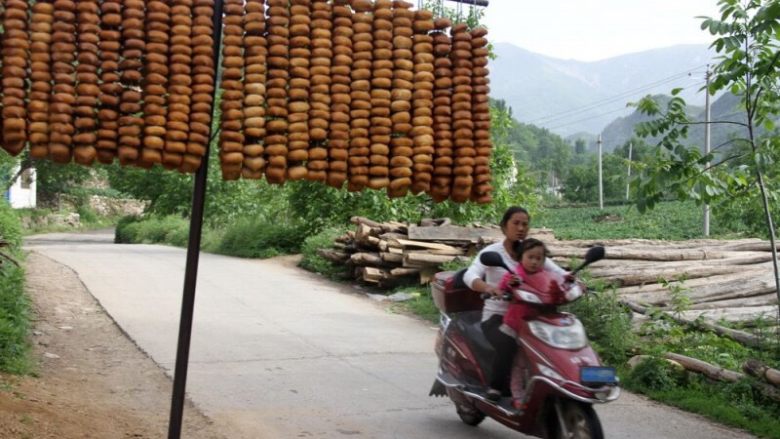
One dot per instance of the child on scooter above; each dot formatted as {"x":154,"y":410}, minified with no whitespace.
{"x":532,"y":253}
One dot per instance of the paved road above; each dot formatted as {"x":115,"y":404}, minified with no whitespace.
{"x":278,"y":352}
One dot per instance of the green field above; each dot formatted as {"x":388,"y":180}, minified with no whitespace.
{"x":672,"y":220}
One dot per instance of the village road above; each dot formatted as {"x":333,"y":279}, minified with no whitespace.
{"x":278,"y":352}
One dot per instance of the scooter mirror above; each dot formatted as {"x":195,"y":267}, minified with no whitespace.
{"x":594,"y":254}
{"x":493,"y":259}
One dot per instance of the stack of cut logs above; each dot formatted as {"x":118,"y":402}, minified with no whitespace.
{"x":386,"y":253}
{"x":723,"y":280}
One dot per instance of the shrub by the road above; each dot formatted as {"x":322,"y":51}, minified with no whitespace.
{"x":259,"y":238}
{"x":14,"y":304}
{"x":312,"y":261}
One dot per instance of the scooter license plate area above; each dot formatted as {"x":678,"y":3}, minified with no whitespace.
{"x":597,"y":376}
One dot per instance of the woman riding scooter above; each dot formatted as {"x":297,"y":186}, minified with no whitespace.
{"x":515,"y":225}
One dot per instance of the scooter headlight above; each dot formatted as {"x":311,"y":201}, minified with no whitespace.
{"x":562,"y":337}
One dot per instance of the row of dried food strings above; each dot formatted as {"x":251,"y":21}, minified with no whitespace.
{"x":371,"y":94}
{"x":105,"y":80}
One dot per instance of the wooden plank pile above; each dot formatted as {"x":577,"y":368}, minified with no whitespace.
{"x":387,"y":253}
{"x":723,"y":280}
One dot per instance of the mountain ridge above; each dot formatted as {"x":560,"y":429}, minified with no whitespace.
{"x":569,"y":96}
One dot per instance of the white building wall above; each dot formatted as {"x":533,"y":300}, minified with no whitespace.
{"x":22,"y":193}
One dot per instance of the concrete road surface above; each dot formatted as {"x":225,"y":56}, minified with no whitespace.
{"x":278,"y":352}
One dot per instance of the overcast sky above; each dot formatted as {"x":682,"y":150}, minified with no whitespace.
{"x":590,"y":30}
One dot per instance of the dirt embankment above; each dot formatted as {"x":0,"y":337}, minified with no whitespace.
{"x":91,"y":380}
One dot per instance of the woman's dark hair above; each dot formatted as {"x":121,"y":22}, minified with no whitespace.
{"x":511,"y":211}
{"x":528,"y":244}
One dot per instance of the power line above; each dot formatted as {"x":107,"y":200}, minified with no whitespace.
{"x":596,"y":116}
{"x":613,"y":98}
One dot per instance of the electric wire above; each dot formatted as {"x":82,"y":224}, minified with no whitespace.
{"x":626,"y":93}
{"x":596,"y":116}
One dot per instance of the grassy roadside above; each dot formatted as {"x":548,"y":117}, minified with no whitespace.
{"x":14,"y":303}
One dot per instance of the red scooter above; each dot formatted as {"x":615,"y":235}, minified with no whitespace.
{"x":563,"y":376}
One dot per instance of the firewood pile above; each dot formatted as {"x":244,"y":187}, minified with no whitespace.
{"x":384,"y":254}
{"x":722,"y":280}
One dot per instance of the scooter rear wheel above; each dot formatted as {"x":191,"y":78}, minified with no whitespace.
{"x":469,"y":415}
{"x":579,"y":422}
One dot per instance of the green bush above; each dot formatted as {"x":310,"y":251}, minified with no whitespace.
{"x":608,"y":324}
{"x":14,"y":320}
{"x":10,"y":227}
{"x":256,"y":238}
{"x":123,"y":234}
{"x":14,"y":304}
{"x":316,"y":263}
{"x":652,"y":374}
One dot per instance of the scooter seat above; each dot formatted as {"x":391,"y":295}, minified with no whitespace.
{"x":470,"y":325}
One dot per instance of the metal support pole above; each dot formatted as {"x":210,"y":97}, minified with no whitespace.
{"x":628,"y":180}
{"x":707,"y":144}
{"x":193,"y":255}
{"x":601,"y":185}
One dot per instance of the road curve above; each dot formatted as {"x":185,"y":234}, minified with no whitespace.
{"x":278,"y":352}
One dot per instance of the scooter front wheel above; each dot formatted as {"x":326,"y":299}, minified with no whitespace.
{"x":573,"y":420}
{"x":469,"y":415}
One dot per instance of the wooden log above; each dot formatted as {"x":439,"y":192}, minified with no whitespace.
{"x":417,"y":259}
{"x":357,"y":220}
{"x":431,"y":247}
{"x":435,"y":222}
{"x":333,"y":255}
{"x":740,"y":302}
{"x":656,"y":254}
{"x":718,"y":373}
{"x":453,"y":233}
{"x":670,"y":270}
{"x":711,"y":370}
{"x":366,"y":259}
{"x":733,"y":315}
{"x":393,"y":258}
{"x":740,"y":336}
{"x":402,"y":271}
{"x":738,"y":286}
{"x":760,"y":370}
{"x":393,"y":235}
{"x":374,"y":275}
{"x":750,"y":271}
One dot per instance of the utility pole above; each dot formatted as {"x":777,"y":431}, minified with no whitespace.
{"x":707,"y":143}
{"x":601,"y":185}
{"x":628,"y":181}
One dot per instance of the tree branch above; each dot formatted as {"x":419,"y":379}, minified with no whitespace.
{"x":714,"y":123}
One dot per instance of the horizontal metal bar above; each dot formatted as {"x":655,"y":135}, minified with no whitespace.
{"x":482,"y":3}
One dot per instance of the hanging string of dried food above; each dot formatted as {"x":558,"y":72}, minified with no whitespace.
{"x":298,"y":92}
{"x":203,"y":74}
{"x":340,"y":89}
{"x":276,"y":90}
{"x":180,"y":89}
{"x":131,"y":124}
{"x":380,"y":92}
{"x":442,"y":111}
{"x":482,"y":189}
{"x":255,"y":52}
{"x":63,"y":54}
{"x":87,"y":90}
{"x":360,"y":93}
{"x":40,"y":77}
{"x":462,"y":125}
{"x":231,"y":137}
{"x":109,"y":97}
{"x":401,"y":142}
{"x":422,"y":101}
{"x":321,"y":35}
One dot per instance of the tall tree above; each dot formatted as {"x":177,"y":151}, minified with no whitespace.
{"x":746,"y":39}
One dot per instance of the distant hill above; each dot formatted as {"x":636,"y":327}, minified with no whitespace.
{"x":568,"y":96}
{"x":725,"y":108}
